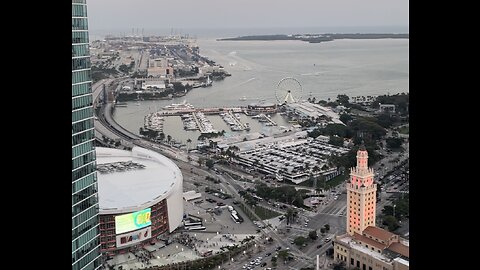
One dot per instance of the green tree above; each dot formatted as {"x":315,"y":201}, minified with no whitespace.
{"x":345,"y":118}
{"x":274,"y":261}
{"x":386,"y":120}
{"x":124,"y":68}
{"x":178,"y":87}
{"x":209,"y":163}
{"x":169,"y":138}
{"x":283,"y":254}
{"x":161,"y":136}
{"x":290,"y":215}
{"x":400,"y":101}
{"x":313,"y":235}
{"x":343,"y":100}
{"x":299,"y":241}
{"x":327,"y":227}
{"x":338,"y":141}
{"x":314,"y":133}
{"x":391,"y":222}
{"x":367,"y":128}
{"x":394,"y":143}
{"x":322,"y":102}
{"x":322,"y":230}
{"x":338,"y":129}
{"x":387,"y":210}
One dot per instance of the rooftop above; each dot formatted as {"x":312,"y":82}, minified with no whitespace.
{"x":132,"y":180}
{"x":400,"y":249}
{"x":349,"y":241}
{"x":378,"y":233}
{"x":369,"y":241}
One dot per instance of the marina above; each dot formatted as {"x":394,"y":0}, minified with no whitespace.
{"x":233,"y":120}
{"x":195,"y":118}
{"x":241,"y":90}
{"x":154,"y":122}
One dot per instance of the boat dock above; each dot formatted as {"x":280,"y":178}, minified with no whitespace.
{"x":239,"y":125}
{"x":265,"y":118}
{"x":270,"y":121}
{"x":154,"y":121}
{"x":203,"y":123}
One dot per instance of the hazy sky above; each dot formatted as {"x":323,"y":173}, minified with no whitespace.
{"x":154,"y":14}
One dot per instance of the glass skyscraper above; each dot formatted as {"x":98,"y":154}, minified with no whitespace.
{"x":85,"y":231}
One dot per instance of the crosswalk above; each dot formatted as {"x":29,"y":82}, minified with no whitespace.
{"x":338,"y":210}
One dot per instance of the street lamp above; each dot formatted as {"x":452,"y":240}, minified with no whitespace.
{"x":394,"y":209}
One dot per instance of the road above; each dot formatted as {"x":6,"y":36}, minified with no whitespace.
{"x":332,"y":213}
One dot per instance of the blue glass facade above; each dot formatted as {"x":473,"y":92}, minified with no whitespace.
{"x":85,"y":224}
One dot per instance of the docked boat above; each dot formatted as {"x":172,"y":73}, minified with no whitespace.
{"x":179,"y":106}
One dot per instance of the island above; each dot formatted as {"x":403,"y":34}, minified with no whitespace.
{"x":317,"y":38}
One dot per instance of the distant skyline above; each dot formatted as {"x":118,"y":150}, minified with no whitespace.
{"x":123,"y":15}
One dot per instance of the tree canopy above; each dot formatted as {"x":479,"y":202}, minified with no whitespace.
{"x":394,"y":143}
{"x":343,"y":100}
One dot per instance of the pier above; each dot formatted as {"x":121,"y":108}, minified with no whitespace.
{"x":270,"y":121}
{"x":203,"y":123}
{"x":265,"y":118}
{"x":237,"y":122}
{"x":194,"y":118}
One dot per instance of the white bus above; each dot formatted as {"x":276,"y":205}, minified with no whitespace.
{"x":236,"y":218}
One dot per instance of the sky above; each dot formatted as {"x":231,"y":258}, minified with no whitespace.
{"x":156,"y":14}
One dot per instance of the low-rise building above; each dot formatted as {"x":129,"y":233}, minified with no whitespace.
{"x":307,"y":110}
{"x":261,"y":107}
{"x":365,"y":100}
{"x":387,"y":108}
{"x":374,"y":249}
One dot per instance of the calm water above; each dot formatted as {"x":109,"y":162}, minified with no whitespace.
{"x":352,"y":67}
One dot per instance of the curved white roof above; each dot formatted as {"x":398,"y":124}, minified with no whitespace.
{"x":136,"y":189}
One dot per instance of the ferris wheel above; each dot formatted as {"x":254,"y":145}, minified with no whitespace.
{"x":289,"y":90}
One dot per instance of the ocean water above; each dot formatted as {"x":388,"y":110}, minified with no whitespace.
{"x":324,"y":70}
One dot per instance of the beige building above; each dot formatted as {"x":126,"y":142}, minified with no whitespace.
{"x":159,"y":68}
{"x":365,"y":246}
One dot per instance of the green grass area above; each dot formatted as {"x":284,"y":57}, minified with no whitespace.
{"x":404,"y":130}
{"x":330,"y":183}
{"x":338,"y":179}
{"x":247,"y":212}
{"x":265,"y":213}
